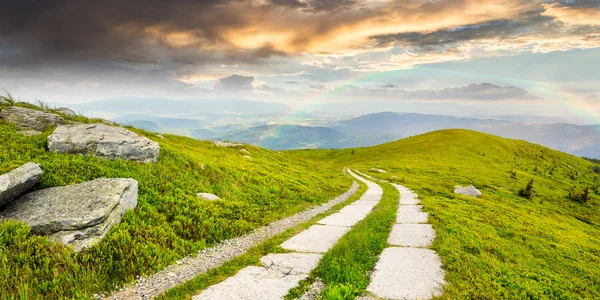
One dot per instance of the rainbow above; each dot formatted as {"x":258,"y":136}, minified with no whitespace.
{"x":553,"y":92}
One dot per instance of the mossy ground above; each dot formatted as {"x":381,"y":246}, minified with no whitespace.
{"x":169,"y":221}
{"x":499,"y":246}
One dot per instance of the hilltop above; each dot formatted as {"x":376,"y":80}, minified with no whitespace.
{"x":501,"y":245}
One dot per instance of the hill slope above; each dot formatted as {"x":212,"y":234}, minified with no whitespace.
{"x":499,"y":246}
{"x":574,"y":139}
{"x":169,"y":221}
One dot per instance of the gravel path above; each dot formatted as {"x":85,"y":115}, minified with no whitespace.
{"x":192,"y":266}
{"x":407,"y":269}
{"x":281,"y":272}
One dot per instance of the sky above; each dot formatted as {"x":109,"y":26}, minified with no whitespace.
{"x":493,"y":56}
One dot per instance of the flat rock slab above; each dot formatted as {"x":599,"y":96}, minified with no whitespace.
{"x":18,"y":181}
{"x":78,"y":215}
{"x":291,"y":263}
{"x":253,"y":283}
{"x":409,"y":199}
{"x":104,"y":141}
{"x":315,"y":239}
{"x":411,"y":214}
{"x":407,"y":273}
{"x":347,"y":219}
{"x":412,"y":235}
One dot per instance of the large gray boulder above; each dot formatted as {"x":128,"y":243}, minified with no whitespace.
{"x":467,"y":191}
{"x":77,"y":215}
{"x":30,"y":119}
{"x":18,"y":181}
{"x":66,"y":111}
{"x":103,"y":141}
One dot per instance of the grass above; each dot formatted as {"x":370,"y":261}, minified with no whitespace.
{"x":169,"y":221}
{"x":251,"y":257}
{"x":499,"y":246}
{"x":346,"y":268}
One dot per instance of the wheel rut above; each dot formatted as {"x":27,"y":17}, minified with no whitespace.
{"x":280,"y":273}
{"x":408,"y":269}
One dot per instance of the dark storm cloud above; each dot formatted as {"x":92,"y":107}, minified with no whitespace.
{"x":117,"y":30}
{"x":314,"y":5}
{"x":235,"y":83}
{"x":491,"y":29}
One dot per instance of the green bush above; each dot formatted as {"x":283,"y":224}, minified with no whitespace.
{"x":527,"y":192}
{"x":580,"y":195}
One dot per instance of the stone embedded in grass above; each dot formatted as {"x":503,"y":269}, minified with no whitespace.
{"x":208,"y":196}
{"x":247,"y":157}
{"x":253,"y":283}
{"x":411,"y":214}
{"x":66,"y":111}
{"x":18,"y":181}
{"x":291,"y":263}
{"x":316,"y":239}
{"x":78,"y":215}
{"x":245,"y":151}
{"x":407,"y":273}
{"x":30,"y":119}
{"x":29,"y":133}
{"x":412,"y":235}
{"x":281,"y":272}
{"x":226,"y":144}
{"x":103,"y":141}
{"x":349,"y":215}
{"x":467,"y":191}
{"x":375,"y":170}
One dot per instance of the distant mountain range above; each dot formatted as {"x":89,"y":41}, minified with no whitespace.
{"x":574,"y":139}
{"x":286,"y":137}
{"x":302,"y":130}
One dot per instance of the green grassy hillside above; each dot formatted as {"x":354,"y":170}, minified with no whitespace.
{"x":169,"y":221}
{"x":502,"y":245}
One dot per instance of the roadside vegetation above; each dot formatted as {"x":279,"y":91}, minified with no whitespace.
{"x":530,"y":235}
{"x":252,"y":257}
{"x":169,"y":222}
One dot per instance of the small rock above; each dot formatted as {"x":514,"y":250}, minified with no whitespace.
{"x":247,"y":156}
{"x":467,"y":191}
{"x":375,"y":170}
{"x":18,"y":181}
{"x":245,"y":151}
{"x":30,"y":119}
{"x":66,"y":111}
{"x":103,"y":141}
{"x":29,"y":133}
{"x":208,"y":196}
{"x":78,"y":215}
{"x":109,"y":122}
{"x":226,"y":144}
